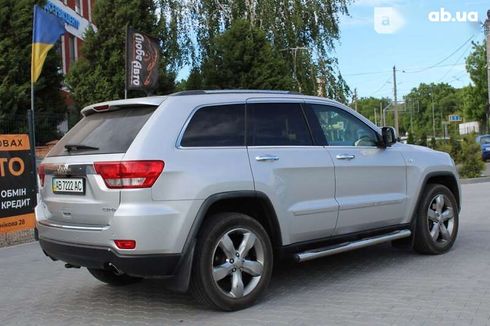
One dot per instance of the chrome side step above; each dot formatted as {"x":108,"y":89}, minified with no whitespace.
{"x":347,"y":246}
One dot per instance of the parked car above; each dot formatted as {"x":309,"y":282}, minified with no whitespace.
{"x":207,"y":188}
{"x":484,"y":141}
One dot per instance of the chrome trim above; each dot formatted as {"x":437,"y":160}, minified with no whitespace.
{"x":347,"y":246}
{"x":266,"y":157}
{"x":73,"y":227}
{"x":345,"y":157}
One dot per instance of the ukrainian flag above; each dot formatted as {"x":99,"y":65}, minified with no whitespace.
{"x":47,"y":29}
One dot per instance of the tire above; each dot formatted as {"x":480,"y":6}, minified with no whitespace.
{"x":436,"y":231}
{"x":112,"y":278}
{"x":242,"y":267}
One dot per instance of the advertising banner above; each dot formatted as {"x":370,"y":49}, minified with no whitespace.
{"x":142,"y":56}
{"x":17,"y":184}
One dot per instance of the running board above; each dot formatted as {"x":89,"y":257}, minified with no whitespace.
{"x":347,"y":246}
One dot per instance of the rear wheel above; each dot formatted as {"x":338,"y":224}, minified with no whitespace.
{"x":437,"y":221}
{"x":233,"y":262}
{"x":112,"y":278}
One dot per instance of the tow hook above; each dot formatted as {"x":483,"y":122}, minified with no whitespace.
{"x":114,"y":269}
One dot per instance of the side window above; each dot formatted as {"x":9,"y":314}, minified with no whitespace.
{"x":339,"y":128}
{"x":214,"y":126}
{"x":278,"y":124}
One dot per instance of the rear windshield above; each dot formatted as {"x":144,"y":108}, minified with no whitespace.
{"x":104,"y":132}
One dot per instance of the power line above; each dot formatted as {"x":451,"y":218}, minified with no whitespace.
{"x":443,"y":60}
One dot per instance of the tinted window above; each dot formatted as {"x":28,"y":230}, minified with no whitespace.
{"x":108,"y":132}
{"x":216,"y":126}
{"x":278,"y":124}
{"x":339,"y":128}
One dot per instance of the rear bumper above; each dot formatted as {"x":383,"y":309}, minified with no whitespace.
{"x":161,"y":265}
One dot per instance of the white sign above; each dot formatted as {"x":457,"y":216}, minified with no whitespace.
{"x":74,"y":23}
{"x":455,"y":118}
{"x":469,"y":127}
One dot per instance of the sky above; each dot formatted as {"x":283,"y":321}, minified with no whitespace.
{"x":414,"y":36}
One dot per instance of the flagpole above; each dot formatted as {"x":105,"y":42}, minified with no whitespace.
{"x":126,"y":63}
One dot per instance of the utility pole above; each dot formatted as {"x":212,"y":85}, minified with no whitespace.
{"x":433,"y":122}
{"x":381,"y":122}
{"x":487,"y":33}
{"x":395,"y":103}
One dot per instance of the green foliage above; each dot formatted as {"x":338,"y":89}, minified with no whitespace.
{"x":423,"y":139}
{"x":368,"y":105}
{"x":471,"y":158}
{"x":15,"y":72}
{"x":310,"y":26}
{"x":433,"y":143}
{"x":242,"y":57}
{"x":444,"y":98}
{"x":410,"y":138}
{"x":99,"y":74}
{"x":476,"y":95}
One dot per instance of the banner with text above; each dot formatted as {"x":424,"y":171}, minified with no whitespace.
{"x":141,"y":61}
{"x":17,"y":184}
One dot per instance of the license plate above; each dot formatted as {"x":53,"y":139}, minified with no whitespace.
{"x":75,"y":186}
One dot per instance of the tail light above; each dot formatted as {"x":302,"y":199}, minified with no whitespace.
{"x":42,"y":174}
{"x":125,"y":244}
{"x":129,"y":174}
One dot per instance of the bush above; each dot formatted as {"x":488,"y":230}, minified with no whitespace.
{"x":471,"y":158}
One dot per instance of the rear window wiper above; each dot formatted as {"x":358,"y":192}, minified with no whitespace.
{"x":77,"y":147}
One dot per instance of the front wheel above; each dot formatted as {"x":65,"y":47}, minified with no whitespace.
{"x":437,"y":221}
{"x":233,"y":262}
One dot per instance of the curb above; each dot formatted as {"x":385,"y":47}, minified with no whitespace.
{"x":475,"y":180}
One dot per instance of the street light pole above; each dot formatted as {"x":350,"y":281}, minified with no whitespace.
{"x":395,"y":104}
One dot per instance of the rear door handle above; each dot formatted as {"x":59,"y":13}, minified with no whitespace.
{"x":267,"y":157}
{"x":345,"y":157}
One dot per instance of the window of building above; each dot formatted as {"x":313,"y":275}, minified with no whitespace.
{"x":72,"y":48}
{"x":78,"y":7}
{"x":216,"y":126}
{"x":278,"y":124}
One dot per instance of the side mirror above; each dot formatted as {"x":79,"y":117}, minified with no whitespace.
{"x":389,"y":136}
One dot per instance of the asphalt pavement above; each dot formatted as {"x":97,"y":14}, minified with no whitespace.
{"x":379,"y":285}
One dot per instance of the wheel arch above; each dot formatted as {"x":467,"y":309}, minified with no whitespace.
{"x":253,"y":203}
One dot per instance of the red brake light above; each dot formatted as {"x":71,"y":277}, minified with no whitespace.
{"x":125,"y":244}
{"x":42,"y":174}
{"x":101,"y":108}
{"x":129,"y":174}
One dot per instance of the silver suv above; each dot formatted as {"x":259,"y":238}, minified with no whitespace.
{"x":208,"y":188}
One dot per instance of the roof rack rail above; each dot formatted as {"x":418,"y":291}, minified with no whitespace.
{"x":233,"y":91}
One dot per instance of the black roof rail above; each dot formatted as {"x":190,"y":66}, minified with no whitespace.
{"x":234,"y":91}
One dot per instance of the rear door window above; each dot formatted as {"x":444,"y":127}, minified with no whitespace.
{"x":278,"y":124}
{"x":216,"y":126}
{"x":104,"y":132}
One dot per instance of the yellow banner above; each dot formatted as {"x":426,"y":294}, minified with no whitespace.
{"x":14,"y":143}
{"x":17,"y":223}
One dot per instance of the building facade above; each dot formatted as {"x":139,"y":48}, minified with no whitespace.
{"x":77,"y":15}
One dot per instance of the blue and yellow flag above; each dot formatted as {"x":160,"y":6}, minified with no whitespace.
{"x":46,"y":31}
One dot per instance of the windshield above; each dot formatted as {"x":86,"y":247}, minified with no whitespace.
{"x":485,"y":140}
{"x":103,"y":133}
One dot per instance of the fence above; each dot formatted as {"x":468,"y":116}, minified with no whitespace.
{"x":48,"y":126}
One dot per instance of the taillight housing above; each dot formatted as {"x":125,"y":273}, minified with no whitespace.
{"x":125,"y":244}
{"x":42,"y":173}
{"x":129,"y":174}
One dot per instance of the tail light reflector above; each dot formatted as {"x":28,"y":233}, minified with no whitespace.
{"x":129,"y":174}
{"x":42,"y":174}
{"x":125,"y":244}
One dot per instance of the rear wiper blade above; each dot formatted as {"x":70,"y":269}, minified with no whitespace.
{"x":76,"y":147}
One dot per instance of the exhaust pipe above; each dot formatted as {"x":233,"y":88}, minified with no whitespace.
{"x":71,"y":266}
{"x":115,"y":270}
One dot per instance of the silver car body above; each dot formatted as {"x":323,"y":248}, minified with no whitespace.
{"x":315,"y":193}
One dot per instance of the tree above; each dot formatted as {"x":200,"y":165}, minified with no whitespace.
{"x":99,"y":74}
{"x":368,"y":105}
{"x":242,"y":57}
{"x":303,"y":31}
{"x":472,"y":162}
{"x":476,"y":94}
{"x":15,"y":72}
